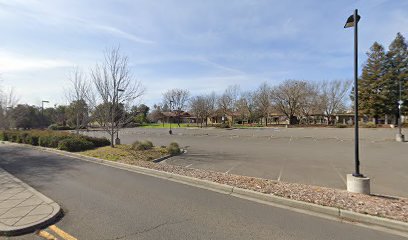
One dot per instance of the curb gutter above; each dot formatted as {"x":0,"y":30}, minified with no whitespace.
{"x":399,"y":227}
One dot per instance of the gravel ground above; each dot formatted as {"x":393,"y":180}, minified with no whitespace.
{"x":381,"y":206}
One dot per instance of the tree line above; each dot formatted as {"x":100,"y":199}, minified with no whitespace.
{"x":295,"y":99}
{"x":382,"y":84}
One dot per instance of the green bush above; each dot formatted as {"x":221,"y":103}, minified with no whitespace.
{"x":97,"y":142}
{"x":75,"y":144}
{"x":52,"y":139}
{"x":173,"y":148}
{"x":13,"y":137}
{"x":341,"y":125}
{"x":57,"y":127}
{"x":21,"y":138}
{"x":143,"y":145}
{"x":32,"y":139}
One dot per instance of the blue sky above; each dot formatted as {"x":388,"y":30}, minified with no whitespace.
{"x":199,"y":45}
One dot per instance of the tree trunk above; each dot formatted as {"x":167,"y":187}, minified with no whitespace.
{"x":77,"y":124}
{"x":292,"y":120}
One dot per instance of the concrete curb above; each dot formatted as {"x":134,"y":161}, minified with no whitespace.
{"x":52,"y":218}
{"x":398,"y":227}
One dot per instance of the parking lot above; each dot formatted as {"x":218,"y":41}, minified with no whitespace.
{"x":317,"y":156}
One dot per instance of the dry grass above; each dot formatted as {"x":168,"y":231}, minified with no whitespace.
{"x":125,"y":154}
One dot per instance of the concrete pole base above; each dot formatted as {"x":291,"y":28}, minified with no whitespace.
{"x":358,"y":184}
{"x":399,"y":137}
{"x":117,"y":141}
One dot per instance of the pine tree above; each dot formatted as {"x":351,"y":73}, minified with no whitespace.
{"x":397,"y":71}
{"x":372,"y":96}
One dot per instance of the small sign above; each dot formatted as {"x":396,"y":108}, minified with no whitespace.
{"x":400,"y":102}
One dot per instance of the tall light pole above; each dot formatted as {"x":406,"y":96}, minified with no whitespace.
{"x":400,"y":137}
{"x":356,"y":182}
{"x":117,"y":140}
{"x":42,"y":110}
{"x":171,"y":132}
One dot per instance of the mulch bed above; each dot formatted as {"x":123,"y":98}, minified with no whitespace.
{"x":381,"y":206}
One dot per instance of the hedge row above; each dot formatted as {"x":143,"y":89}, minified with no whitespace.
{"x":61,"y":140}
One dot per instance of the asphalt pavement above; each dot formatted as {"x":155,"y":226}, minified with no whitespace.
{"x":316,"y":156}
{"x":101,"y":202}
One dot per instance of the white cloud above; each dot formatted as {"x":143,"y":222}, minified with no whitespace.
{"x":11,"y":62}
{"x":43,"y":13}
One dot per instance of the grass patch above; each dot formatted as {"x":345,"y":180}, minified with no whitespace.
{"x":126,"y":154}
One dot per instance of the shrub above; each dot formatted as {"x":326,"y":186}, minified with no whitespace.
{"x":75,"y":144}
{"x":173,"y":148}
{"x":370,"y":125}
{"x":97,"y":142}
{"x":53,"y":127}
{"x":32,"y":139}
{"x":143,"y":145}
{"x":13,"y":136}
{"x":57,"y":127}
{"x":51,"y":141}
{"x":43,"y":141}
{"x":222,"y":125}
{"x":21,"y":137}
{"x":341,"y":125}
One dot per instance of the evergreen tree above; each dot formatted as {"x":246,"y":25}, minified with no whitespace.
{"x":397,"y":71}
{"x":373,"y":97}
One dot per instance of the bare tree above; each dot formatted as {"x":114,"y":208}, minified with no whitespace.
{"x":246,"y":106}
{"x":8,"y":100}
{"x":116,"y":90}
{"x":310,"y":104}
{"x":78,"y":95}
{"x":198,"y":108}
{"x":210,"y":106}
{"x":332,"y":97}
{"x":227,"y":101}
{"x":263,"y":101}
{"x":177,"y":99}
{"x":289,"y":96}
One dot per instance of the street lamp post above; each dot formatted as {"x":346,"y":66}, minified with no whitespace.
{"x":400,"y":137}
{"x":117,"y":140}
{"x":170,"y":131}
{"x":356,"y":182}
{"x":42,"y":110}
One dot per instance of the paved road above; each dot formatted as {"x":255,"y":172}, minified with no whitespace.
{"x":102,"y":202}
{"x":317,"y":156}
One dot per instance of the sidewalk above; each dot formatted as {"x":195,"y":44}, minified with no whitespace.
{"x":22,"y":208}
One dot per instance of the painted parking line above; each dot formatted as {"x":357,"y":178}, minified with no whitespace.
{"x":189,"y":165}
{"x":61,"y":233}
{"x":280,"y":173}
{"x":46,"y":235}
